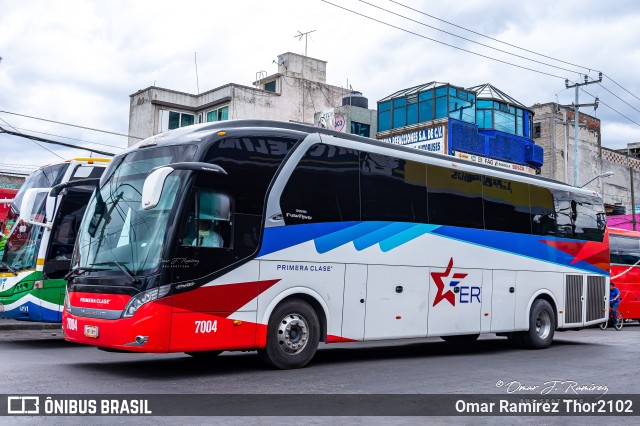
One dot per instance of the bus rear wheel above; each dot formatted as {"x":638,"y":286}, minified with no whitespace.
{"x":542,"y":326}
{"x":293,"y":335}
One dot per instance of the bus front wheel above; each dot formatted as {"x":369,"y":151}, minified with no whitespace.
{"x":293,"y":335}
{"x":542,"y":326}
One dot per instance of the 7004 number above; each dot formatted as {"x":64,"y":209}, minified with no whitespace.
{"x":206,"y":326}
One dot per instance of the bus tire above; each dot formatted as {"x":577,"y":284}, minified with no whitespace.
{"x":293,"y":335}
{"x":461,"y":338}
{"x":204,"y":354}
{"x":542,"y":325}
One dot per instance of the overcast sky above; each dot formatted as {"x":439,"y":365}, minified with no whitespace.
{"x":78,"y":61}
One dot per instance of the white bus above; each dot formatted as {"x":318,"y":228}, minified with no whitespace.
{"x":276,"y":236}
{"x":37,"y":243}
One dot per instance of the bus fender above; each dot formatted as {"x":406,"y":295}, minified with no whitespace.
{"x":292,"y":291}
{"x":537,"y":294}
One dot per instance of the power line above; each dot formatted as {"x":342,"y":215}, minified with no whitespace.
{"x":468,"y":39}
{"x":67,"y":137}
{"x":517,"y":47}
{"x":491,"y":38}
{"x":599,"y":84}
{"x":617,"y":84}
{"x":611,"y":108}
{"x":445,"y":44}
{"x":35,"y":139}
{"x":71,"y":125}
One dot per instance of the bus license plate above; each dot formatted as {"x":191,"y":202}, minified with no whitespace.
{"x":91,"y":331}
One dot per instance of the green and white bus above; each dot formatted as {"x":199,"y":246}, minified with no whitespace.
{"x":38,"y":235}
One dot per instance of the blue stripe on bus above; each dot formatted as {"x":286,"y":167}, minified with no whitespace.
{"x":391,"y":235}
{"x":282,"y":237}
{"x":406,"y":236}
{"x":336,"y":239}
{"x":389,"y":230}
{"x":531,"y":246}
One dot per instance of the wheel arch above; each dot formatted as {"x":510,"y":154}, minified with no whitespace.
{"x":544,"y":294}
{"x":311,"y":297}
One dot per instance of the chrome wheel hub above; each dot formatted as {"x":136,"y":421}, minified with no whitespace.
{"x":543,"y":324}
{"x":293,"y":334}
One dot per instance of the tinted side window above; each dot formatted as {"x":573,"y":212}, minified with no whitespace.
{"x":590,"y":220}
{"x":454,"y":197}
{"x":624,"y":250}
{"x":564,"y":214}
{"x":251,"y":164}
{"x":392,"y":189}
{"x":324,"y":187}
{"x":543,"y":221}
{"x":506,"y":205}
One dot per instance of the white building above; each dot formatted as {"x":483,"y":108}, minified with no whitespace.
{"x":295,"y":93}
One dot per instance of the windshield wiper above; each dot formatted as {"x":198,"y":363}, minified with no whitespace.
{"x":8,"y":267}
{"x":82,"y":270}
{"x":119,"y":265}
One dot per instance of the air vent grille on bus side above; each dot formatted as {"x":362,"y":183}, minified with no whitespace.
{"x":573,"y":298}
{"x":596,"y":288}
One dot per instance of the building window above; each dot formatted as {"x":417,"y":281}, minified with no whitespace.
{"x":360,"y":129}
{"x":399,"y":113}
{"x":219,"y":114}
{"x":384,"y":116}
{"x":178,"y":119}
{"x":536,"y":130}
{"x":461,"y":107}
{"x":270,"y":86}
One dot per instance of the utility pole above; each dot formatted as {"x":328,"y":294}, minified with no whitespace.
{"x":633,"y":197}
{"x":576,"y":121}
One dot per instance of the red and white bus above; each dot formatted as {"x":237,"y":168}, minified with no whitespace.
{"x":625,"y":269}
{"x":276,"y":236}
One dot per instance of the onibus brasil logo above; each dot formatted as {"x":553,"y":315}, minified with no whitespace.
{"x":466,"y":293}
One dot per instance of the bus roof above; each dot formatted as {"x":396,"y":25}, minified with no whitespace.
{"x":200,"y":132}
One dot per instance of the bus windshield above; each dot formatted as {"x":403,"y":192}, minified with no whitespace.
{"x":45,"y":177}
{"x":116,"y":233}
{"x":21,"y":241}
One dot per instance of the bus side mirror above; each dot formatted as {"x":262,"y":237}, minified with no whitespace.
{"x":31,"y":206}
{"x":154,"y":183}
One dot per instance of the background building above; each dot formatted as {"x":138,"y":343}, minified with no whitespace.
{"x":481,"y":124}
{"x":553,"y":129}
{"x":297,"y":92}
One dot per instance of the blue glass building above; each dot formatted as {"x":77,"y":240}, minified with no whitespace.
{"x":480,"y":123}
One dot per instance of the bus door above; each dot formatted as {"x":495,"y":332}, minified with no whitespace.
{"x":397,"y":302}
{"x":208,"y":313}
{"x":455,"y":300}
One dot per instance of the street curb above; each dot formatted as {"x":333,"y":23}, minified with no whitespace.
{"x":30,"y":326}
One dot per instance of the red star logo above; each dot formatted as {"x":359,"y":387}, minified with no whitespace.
{"x":441,"y":294}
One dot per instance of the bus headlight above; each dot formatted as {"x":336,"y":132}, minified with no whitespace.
{"x":144,"y":297}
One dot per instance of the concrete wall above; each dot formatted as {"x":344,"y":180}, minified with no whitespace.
{"x":296,"y":98}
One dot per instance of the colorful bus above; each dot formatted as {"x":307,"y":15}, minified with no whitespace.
{"x":268,"y":236}
{"x":36,"y":245}
{"x":625,"y":270}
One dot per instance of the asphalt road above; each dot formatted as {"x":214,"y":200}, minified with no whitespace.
{"x":40,"y":361}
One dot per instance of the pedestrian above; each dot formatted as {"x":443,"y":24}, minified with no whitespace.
{"x":614,"y":300}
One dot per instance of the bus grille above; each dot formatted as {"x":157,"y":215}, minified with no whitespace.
{"x":596,"y":291}
{"x":573,"y":299}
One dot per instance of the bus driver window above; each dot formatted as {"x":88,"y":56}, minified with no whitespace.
{"x":208,"y":223}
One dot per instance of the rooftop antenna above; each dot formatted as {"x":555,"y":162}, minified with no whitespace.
{"x":305,"y":35}
{"x":195,"y":59}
